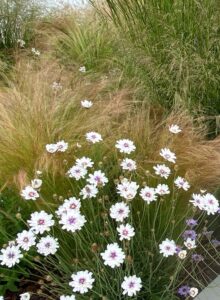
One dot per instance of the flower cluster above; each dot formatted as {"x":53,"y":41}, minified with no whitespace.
{"x":60,"y":146}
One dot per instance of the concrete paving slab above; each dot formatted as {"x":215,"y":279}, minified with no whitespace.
{"x":211,"y":292}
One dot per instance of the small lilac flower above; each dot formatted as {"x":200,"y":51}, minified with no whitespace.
{"x":184,"y":290}
{"x":191,"y":222}
{"x":178,"y":249}
{"x":197,"y":257}
{"x":189,"y":234}
{"x":215,"y":243}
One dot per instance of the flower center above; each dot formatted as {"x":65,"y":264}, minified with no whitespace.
{"x":125,"y":232}
{"x":47,"y":245}
{"x":41,"y":222}
{"x":120,"y":211}
{"x":72,"y":220}
{"x":73,"y":206}
{"x":113,"y":255}
{"x":26,"y":239}
{"x":82,"y":280}
{"x":131,"y":284}
{"x":11,"y":255}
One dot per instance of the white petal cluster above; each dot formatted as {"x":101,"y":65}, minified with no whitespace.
{"x":98,"y":179}
{"x":113,"y":256}
{"x":168,"y":155}
{"x":174,"y":129}
{"x":26,"y":239}
{"x":119,"y":211}
{"x":162,"y":170}
{"x":131,"y":285}
{"x":82,"y":282}
{"x":86,"y":103}
{"x":206,"y":202}
{"x":60,"y":146}
{"x":47,"y":245}
{"x":93,"y":137}
{"x":29,"y":193}
{"x":167,"y":248}
{"x":126,"y":232}
{"x":182,"y":183}
{"x":125,"y":146}
{"x":10,"y":256}
{"x":128,"y":164}
{"x":40,"y":222}
{"x":127,"y":189}
{"x":148,"y":194}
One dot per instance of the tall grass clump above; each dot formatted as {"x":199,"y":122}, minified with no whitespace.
{"x":174,"y":45}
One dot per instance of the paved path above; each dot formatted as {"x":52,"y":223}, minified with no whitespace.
{"x":212,"y":292}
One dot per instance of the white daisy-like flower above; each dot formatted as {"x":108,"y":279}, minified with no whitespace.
{"x":25,"y":296}
{"x":198,"y":201}
{"x":63,"y":297}
{"x":21,"y":43}
{"x":89,"y":191}
{"x":57,"y":86}
{"x":82,"y":282}
{"x":113,"y":256}
{"x":98,"y":178}
{"x":62,"y":146}
{"x":127,"y":189}
{"x":40,"y":221}
{"x":126,"y":232}
{"x":182,"y":183}
{"x":182,"y":254}
{"x":125,"y":146}
{"x":77,"y":172}
{"x":36,"y":183}
{"x":148,"y":194}
{"x":1,"y":298}
{"x":128,"y":164}
{"x":86,"y":103}
{"x":162,"y":189}
{"x":190,"y":244}
{"x":28,"y":193}
{"x":35,"y":51}
{"x":162,"y":171}
{"x":51,"y":148}
{"x":174,"y":129}
{"x":211,"y":204}
{"x":47,"y":245}
{"x":82,"y":69}
{"x":10,"y":256}
{"x":131,"y":285}
{"x":167,"y":248}
{"x":26,"y":239}
{"x":193,"y":292}
{"x":72,"y":221}
{"x":84,"y":162}
{"x":93,"y":137}
{"x":168,"y":155}
{"x":68,"y":205}
{"x":119,"y":211}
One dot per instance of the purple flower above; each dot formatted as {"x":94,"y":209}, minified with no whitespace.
{"x":189,"y":234}
{"x":178,"y":249}
{"x":197,"y":257}
{"x":184,"y":290}
{"x":191,"y":222}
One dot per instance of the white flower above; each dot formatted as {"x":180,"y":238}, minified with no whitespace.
{"x":98,"y":178}
{"x":89,"y":191}
{"x":84,"y":162}
{"x":40,"y":221}
{"x":125,"y":146}
{"x":93,"y":137}
{"x":72,"y":221}
{"x":10,"y":256}
{"x":174,"y":129}
{"x":193,"y":292}
{"x":182,"y":183}
{"x":28,"y":193}
{"x":82,"y":281}
{"x":198,"y":201}
{"x":68,"y":205}
{"x":25,"y":296}
{"x":113,"y":256}
{"x":56,"y":86}
{"x":39,"y":173}
{"x":21,"y":43}
{"x":36,"y":183}
{"x":182,"y":254}
{"x":127,"y":189}
{"x":211,"y":204}
{"x":77,"y":172}
{"x":86,"y":103}
{"x":63,"y":297}
{"x":128,"y":164}
{"x":119,"y":211}
{"x":131,"y":285}
{"x":35,"y":52}
{"x":125,"y":232}
{"x":162,"y":189}
{"x":167,"y":248}
{"x":82,"y":69}
{"x":168,"y":155}
{"x":162,"y":170}
{"x":51,"y":148}
{"x":148,"y":194}
{"x":26,"y":239}
{"x":47,"y":245}
{"x":1,"y":298}
{"x":62,"y":146}
{"x":190,"y":244}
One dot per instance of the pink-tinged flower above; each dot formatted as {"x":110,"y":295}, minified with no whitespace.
{"x":89,"y":191}
{"x":28,"y":193}
{"x":174,"y":129}
{"x":40,"y":222}
{"x":68,"y":205}
{"x":125,"y":146}
{"x":10,"y":256}
{"x":182,"y":254}
{"x":148,"y":194}
{"x":211,"y":204}
{"x":182,"y":183}
{"x":197,"y":201}
{"x":127,"y":189}
{"x":82,"y":281}
{"x":113,"y":256}
{"x":162,"y":189}
{"x":93,"y":137}
{"x":119,"y":211}
{"x":86,"y":103}
{"x":162,"y":171}
{"x":84,"y":162}
{"x":62,"y":146}
{"x":98,"y":179}
{"x":168,"y":155}
{"x":190,"y":244}
{"x":167,"y":248}
{"x":126,"y":232}
{"x":26,"y":239}
{"x":47,"y":245}
{"x":131,"y":285}
{"x":77,"y":172}
{"x":128,"y":164}
{"x":36,"y":183}
{"x":72,"y":221}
